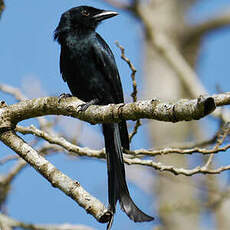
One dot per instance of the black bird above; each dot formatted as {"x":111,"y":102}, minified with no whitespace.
{"x":88,"y":66}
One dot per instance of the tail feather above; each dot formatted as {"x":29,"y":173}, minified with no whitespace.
{"x":133,"y":212}
{"x":124,"y":136}
{"x":118,"y":189}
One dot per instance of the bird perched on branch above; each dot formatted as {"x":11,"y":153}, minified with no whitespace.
{"x":88,"y":66}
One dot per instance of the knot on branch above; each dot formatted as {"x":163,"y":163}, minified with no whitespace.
{"x":207,"y":104}
{"x":5,"y":122}
{"x":3,"y":104}
{"x":5,"y":129}
{"x":106,"y":217}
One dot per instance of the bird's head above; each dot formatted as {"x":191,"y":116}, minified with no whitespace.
{"x":82,"y":18}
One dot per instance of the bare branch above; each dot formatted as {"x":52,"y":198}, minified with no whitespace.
{"x":52,"y":139}
{"x":221,"y":136}
{"x":8,"y":158}
{"x":5,"y":181}
{"x":220,"y":21}
{"x":15,"y":92}
{"x":133,"y":69}
{"x":167,"y":49}
{"x":100,"y":154}
{"x":174,"y":170}
{"x":71,"y":188}
{"x":131,"y":158}
{"x":166,"y":151}
{"x":12,"y":223}
{"x":134,"y":93}
{"x":135,"y":129}
{"x":182,"y":110}
{"x":174,"y":58}
{"x":14,"y":171}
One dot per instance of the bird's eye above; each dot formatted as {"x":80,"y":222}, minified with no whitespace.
{"x":85,"y":13}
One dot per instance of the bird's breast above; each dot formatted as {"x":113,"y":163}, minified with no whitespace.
{"x":81,"y":72}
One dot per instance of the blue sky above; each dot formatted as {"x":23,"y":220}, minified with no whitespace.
{"x":29,"y":59}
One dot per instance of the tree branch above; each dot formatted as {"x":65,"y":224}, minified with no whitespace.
{"x":100,"y":154}
{"x":71,"y":188}
{"x":174,"y":170}
{"x":133,"y":157}
{"x":12,"y":223}
{"x":60,"y":141}
{"x":195,"y":32}
{"x":134,"y":93}
{"x":182,"y":110}
{"x":19,"y":96}
{"x":171,"y":54}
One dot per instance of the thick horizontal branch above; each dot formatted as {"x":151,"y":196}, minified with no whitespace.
{"x":182,"y":110}
{"x":70,"y":187}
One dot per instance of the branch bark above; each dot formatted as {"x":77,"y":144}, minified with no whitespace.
{"x":182,"y":110}
{"x":70,"y":187}
{"x":12,"y":223}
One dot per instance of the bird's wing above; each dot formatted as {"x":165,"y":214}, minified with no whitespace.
{"x":63,"y":64}
{"x":107,"y":65}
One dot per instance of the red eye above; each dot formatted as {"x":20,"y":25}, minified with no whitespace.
{"x":85,"y":13}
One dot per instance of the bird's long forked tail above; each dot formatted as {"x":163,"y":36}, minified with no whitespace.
{"x":118,"y":189}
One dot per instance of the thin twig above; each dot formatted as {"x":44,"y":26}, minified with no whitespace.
{"x":61,"y":141}
{"x":19,"y":96}
{"x":14,"y":171}
{"x":220,"y":140}
{"x":174,"y":170}
{"x":133,"y":69}
{"x":134,"y":83}
{"x":134,"y":132}
{"x":8,"y":158}
{"x":100,"y":154}
{"x":133,"y":157}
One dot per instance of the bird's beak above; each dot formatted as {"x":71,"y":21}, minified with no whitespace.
{"x":105,"y":14}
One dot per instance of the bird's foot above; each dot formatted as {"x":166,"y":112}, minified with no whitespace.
{"x":82,"y":107}
{"x":64,"y":96}
{"x":85,"y":106}
{"x":109,"y":225}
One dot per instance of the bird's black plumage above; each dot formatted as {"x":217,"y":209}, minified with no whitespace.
{"x":88,"y":66}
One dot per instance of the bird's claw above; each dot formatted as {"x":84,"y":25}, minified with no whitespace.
{"x":64,"y":96}
{"x":110,"y":222}
{"x":83,"y":107}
